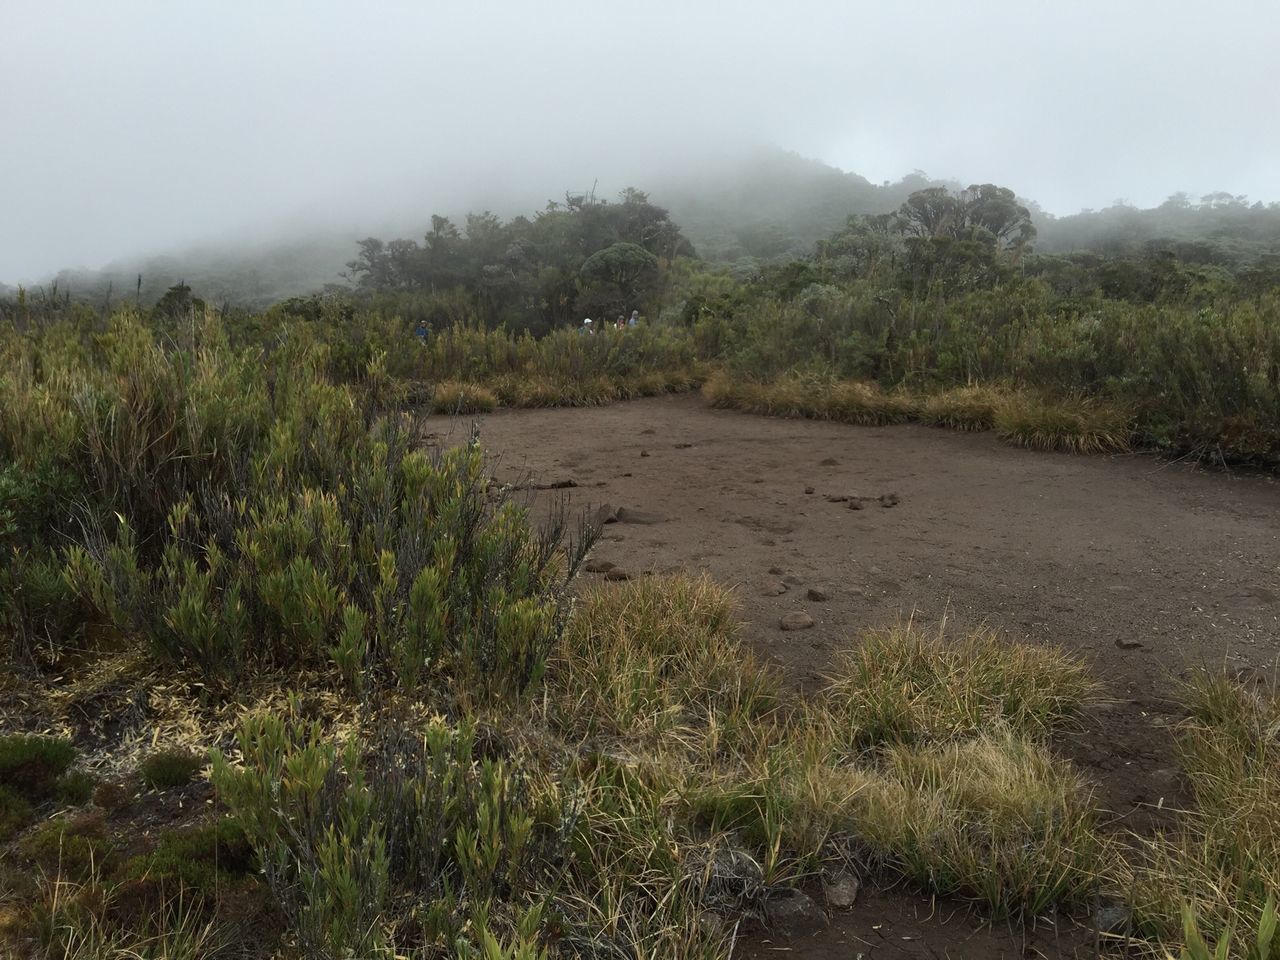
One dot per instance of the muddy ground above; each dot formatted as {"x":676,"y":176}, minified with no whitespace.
{"x":1143,"y":567}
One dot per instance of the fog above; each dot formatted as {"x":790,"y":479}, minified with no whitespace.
{"x":134,"y":127}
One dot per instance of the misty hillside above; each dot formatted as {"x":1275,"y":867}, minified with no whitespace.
{"x":772,"y":205}
{"x":776,"y":203}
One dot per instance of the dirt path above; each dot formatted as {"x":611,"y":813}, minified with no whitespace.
{"x":1142,"y":567}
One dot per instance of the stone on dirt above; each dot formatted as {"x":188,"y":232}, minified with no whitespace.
{"x":817,"y":595}
{"x":598,"y":566}
{"x":841,"y":890}
{"x":796,"y":620}
{"x":793,"y":913}
{"x":772,"y":588}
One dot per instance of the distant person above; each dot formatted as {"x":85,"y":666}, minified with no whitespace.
{"x":635,"y":319}
{"x":422,"y":332}
{"x":586,"y":326}
{"x":622,"y":322}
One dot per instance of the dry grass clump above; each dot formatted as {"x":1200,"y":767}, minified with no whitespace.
{"x":905,"y":683}
{"x":1070,"y":425}
{"x":997,"y":817}
{"x":964,"y":408}
{"x":1216,"y":870}
{"x":813,"y":398}
{"x":653,"y":656}
{"x":460,"y":397}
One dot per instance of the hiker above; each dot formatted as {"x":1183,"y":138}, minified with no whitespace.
{"x":635,"y":318}
{"x":422,"y":331}
{"x":622,"y":322}
{"x":586,"y":326}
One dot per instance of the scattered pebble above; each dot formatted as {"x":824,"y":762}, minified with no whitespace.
{"x":772,"y":588}
{"x":818,"y":596}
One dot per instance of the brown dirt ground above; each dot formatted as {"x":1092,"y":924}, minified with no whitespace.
{"x":1142,"y":567}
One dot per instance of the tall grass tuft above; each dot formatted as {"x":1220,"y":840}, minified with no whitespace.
{"x":906,"y":684}
{"x":1071,"y":425}
{"x":1221,"y":863}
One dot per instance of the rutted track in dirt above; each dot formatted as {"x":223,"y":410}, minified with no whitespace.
{"x":1142,"y":567}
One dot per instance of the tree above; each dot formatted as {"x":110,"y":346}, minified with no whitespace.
{"x":626,"y":266}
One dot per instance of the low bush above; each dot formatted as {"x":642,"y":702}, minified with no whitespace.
{"x":166,"y":769}
{"x":15,"y":813}
{"x":75,"y":787}
{"x":31,"y":765}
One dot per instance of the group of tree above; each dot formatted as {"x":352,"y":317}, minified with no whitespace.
{"x":584,"y":257}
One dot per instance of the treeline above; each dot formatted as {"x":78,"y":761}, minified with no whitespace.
{"x":947,"y":290}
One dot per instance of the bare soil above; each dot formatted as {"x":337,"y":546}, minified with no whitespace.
{"x":1144,"y":568}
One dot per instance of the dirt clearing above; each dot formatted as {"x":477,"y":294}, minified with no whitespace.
{"x":1142,"y":567}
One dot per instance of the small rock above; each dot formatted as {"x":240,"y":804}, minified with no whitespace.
{"x":775,"y":571}
{"x":856,"y":504}
{"x":616,"y":573}
{"x":829,"y":462}
{"x":772,"y":588}
{"x":598,"y":566}
{"x":1111,"y":918}
{"x":565,"y":484}
{"x":1128,"y":644}
{"x":606,"y":513}
{"x":889,"y":500}
{"x":792,"y":579}
{"x":710,"y":923}
{"x":818,"y":596}
{"x":836,"y":498}
{"x":808,"y":489}
{"x":793,"y":913}
{"x":644,"y":453}
{"x":648,"y":430}
{"x":841,"y":890}
{"x":796,"y":620}
{"x":683,"y":446}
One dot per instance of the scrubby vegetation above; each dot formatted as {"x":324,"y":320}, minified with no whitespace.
{"x":310,"y":682}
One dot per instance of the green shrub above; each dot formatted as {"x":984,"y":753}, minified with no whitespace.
{"x":76,"y":848}
{"x":75,"y":787}
{"x":31,"y":765}
{"x":15,"y":813}
{"x":195,"y":859}
{"x":166,"y":769}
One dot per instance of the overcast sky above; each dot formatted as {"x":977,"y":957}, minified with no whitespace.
{"x":129,"y":127}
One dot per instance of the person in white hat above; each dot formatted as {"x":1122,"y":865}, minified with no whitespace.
{"x":586,"y":326}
